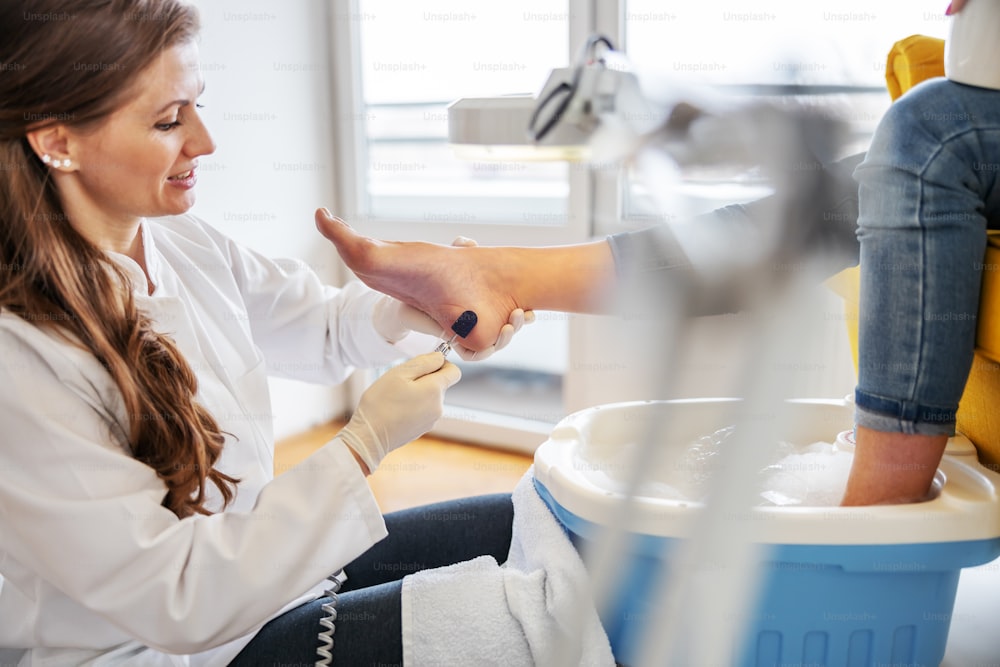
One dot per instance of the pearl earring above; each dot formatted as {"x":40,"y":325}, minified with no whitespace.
{"x":47,"y":159}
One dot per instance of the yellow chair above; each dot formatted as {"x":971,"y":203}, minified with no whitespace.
{"x":911,"y":61}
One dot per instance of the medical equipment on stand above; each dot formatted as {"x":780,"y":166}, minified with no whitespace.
{"x":699,"y":619}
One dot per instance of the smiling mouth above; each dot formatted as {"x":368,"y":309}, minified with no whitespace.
{"x":182,"y":176}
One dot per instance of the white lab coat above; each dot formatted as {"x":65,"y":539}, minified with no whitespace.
{"x":94,"y":570}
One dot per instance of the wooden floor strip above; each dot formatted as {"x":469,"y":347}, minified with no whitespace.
{"x":424,"y":471}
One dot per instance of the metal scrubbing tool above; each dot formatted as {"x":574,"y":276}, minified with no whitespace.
{"x":462,"y":327}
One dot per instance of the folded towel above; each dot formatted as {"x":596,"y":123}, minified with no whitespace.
{"x":536,"y":609}
{"x":911,"y":61}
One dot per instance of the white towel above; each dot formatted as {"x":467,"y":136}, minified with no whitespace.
{"x":537,"y":609}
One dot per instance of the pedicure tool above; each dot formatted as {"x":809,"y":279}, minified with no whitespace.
{"x":462,"y":327}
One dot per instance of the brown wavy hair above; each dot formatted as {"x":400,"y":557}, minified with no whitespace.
{"x":56,"y":279}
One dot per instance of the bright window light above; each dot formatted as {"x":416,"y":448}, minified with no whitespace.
{"x":416,"y":59}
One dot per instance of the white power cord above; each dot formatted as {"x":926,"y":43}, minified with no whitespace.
{"x":325,"y":648}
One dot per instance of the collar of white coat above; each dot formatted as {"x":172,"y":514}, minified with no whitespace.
{"x":140,"y":284}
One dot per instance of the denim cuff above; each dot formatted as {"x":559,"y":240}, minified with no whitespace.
{"x":894,"y":416}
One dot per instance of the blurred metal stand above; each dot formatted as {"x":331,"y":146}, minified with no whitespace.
{"x":708,"y":594}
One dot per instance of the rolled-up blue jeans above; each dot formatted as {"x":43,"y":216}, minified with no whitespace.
{"x":928,"y":192}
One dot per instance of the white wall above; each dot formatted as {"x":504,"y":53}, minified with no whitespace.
{"x":267,"y":104}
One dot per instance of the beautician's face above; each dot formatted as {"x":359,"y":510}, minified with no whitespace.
{"x":140,"y":161}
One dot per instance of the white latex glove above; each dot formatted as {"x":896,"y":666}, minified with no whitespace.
{"x":518,"y":318}
{"x":399,"y":407}
{"x":393,"y":320}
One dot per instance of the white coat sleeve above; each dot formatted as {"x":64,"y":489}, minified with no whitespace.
{"x":307,"y":330}
{"x":79,"y":512}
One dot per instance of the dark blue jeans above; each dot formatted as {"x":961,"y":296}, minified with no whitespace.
{"x":369,"y":623}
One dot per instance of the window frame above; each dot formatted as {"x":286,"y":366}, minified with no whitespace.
{"x":350,"y":152}
{"x":596,"y":207}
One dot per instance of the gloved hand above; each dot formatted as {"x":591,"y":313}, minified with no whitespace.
{"x":399,"y":407}
{"x":518,"y":318}
{"x":393,"y":320}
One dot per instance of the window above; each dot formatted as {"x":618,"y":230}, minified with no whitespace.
{"x":397,"y":67}
{"x":828,"y":57}
{"x":834,"y":54}
{"x":416,"y":59}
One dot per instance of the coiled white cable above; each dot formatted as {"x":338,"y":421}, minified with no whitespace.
{"x":325,"y":648}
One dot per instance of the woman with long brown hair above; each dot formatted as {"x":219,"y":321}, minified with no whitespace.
{"x":140,"y":522}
